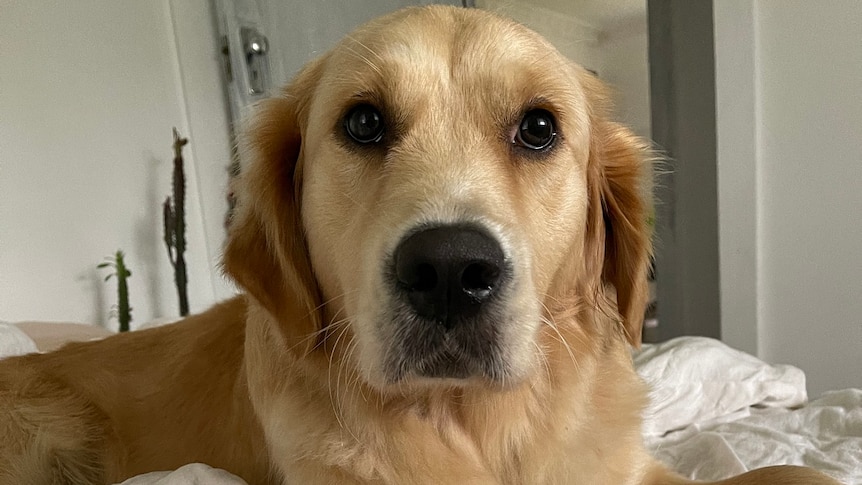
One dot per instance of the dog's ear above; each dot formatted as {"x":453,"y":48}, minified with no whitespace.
{"x":266,"y":252}
{"x":619,"y":234}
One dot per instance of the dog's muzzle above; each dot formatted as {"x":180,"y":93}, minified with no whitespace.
{"x":450,"y":281}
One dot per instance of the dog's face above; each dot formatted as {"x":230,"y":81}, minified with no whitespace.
{"x":434,"y":184}
{"x":445,"y":184}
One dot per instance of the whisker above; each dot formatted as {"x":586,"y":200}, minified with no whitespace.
{"x":365,"y":59}
{"x":333,"y":325}
{"x":356,"y":203}
{"x":332,"y":399}
{"x":341,"y":399}
{"x":547,"y":368}
{"x":370,"y":51}
{"x":545,"y":364}
{"x":378,"y":211}
{"x":356,"y":381}
{"x":327,"y":302}
{"x":553,"y":326}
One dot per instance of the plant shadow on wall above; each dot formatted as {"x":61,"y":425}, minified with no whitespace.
{"x":173,"y":236}
{"x":92,"y":278}
{"x":150,"y":276}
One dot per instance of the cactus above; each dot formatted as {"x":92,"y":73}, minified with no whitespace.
{"x":175,"y":224}
{"x":121,"y":310}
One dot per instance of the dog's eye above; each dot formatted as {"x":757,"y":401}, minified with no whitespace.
{"x":536,"y":131}
{"x":364,"y":124}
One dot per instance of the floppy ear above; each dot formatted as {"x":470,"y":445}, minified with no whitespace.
{"x":266,"y":251}
{"x":618,"y":245}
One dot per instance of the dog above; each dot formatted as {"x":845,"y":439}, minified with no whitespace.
{"x":443,"y":243}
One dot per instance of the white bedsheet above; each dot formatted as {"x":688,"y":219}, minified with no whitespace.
{"x":718,"y":412}
{"x":825,"y":434}
{"x":714,"y":412}
{"x":192,"y":474}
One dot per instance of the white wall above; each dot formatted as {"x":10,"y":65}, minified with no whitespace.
{"x":89,"y":91}
{"x":810,"y":59}
{"x":802,"y":71}
{"x":624,"y":65}
{"x":737,"y":128}
{"x":572,"y":37}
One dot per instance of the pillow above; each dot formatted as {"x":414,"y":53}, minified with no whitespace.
{"x":50,"y":336}
{"x":13,"y":341}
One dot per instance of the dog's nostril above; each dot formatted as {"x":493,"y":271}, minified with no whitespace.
{"x":479,"y":279}
{"x":415,"y":276}
{"x":425,"y":278}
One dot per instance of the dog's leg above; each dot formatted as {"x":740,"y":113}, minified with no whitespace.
{"x":47,"y":433}
{"x":773,"y":475}
{"x":781,"y":475}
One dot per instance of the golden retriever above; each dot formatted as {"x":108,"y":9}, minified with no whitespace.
{"x":443,"y":241}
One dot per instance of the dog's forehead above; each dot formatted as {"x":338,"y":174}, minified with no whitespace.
{"x":463,"y":37}
{"x":436,"y":48}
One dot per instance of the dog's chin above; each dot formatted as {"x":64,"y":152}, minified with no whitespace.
{"x":447,"y":368}
{"x":443,"y":370}
{"x":430,"y":355}
{"x":448,"y":374}
{"x":451,"y":374}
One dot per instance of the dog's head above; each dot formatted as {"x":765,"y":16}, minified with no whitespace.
{"x":431,"y":192}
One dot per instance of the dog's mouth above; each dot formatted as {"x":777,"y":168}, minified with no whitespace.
{"x":445,"y":364}
{"x":449,"y":286}
{"x":427,"y":349}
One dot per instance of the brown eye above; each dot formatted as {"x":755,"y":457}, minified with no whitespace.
{"x":364,"y":124}
{"x":536,"y":130}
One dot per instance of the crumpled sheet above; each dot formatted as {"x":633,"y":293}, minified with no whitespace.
{"x":716,"y":412}
{"x":192,"y":474}
{"x":826,"y":434}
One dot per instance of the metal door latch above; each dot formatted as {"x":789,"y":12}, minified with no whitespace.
{"x":255,"y":48}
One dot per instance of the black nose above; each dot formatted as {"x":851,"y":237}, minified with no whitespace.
{"x":449,"y":271}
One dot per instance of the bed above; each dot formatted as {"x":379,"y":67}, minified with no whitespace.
{"x":714,"y":411}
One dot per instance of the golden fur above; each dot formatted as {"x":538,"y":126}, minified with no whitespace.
{"x":285,"y":383}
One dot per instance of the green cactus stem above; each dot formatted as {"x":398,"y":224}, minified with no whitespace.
{"x":122,"y":310}
{"x":174,"y":210}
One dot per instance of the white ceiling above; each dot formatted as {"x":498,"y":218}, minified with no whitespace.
{"x":601,"y":14}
